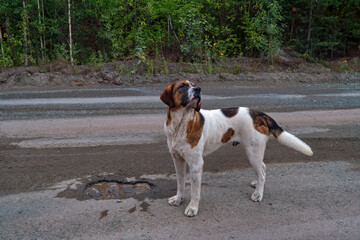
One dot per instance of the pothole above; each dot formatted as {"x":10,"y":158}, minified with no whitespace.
{"x":116,"y":189}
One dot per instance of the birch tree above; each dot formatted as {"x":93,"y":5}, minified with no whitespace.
{"x":25,"y":33}
{"x":1,"y":40}
{"x":70,"y":34}
{"x":40,"y":32}
{"x":43,"y":17}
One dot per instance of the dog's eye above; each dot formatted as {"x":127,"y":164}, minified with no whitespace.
{"x":183,"y":86}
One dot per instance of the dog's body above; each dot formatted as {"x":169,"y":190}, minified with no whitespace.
{"x":193,"y":133}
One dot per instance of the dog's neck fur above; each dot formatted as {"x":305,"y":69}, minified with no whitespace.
{"x":178,"y":119}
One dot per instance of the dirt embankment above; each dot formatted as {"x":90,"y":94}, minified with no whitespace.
{"x":130,"y":73}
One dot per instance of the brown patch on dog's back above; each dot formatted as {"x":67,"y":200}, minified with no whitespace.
{"x":265,"y":124}
{"x":229,"y":112}
{"x":227,"y":135}
{"x":194,"y":129}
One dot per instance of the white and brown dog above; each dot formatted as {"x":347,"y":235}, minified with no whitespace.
{"x":193,"y":133}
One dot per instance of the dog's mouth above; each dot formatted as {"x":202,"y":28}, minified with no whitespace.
{"x":195,"y":98}
{"x":195,"y":101}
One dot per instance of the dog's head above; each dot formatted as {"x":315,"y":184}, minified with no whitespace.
{"x":182,"y":94}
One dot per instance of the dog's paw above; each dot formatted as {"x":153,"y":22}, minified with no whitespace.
{"x":256,"y":197}
{"x":175,"y":201}
{"x":253,"y":183}
{"x":191,"y":211}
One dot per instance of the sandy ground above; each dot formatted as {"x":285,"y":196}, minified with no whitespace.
{"x":46,"y":163}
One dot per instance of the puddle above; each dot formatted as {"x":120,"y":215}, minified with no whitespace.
{"x":114,"y":189}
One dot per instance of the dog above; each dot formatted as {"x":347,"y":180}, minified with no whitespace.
{"x":193,"y":133}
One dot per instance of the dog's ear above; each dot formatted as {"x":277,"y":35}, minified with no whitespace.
{"x":167,"y":96}
{"x":198,"y":106}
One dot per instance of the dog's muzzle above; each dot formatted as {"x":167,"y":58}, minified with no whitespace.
{"x":197,"y":91}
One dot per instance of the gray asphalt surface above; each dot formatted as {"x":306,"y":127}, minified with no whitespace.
{"x":305,"y":198}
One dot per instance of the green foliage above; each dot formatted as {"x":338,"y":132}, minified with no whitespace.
{"x":345,"y":68}
{"x":96,"y":60}
{"x":334,"y":27}
{"x":192,"y":31}
{"x":183,"y":30}
{"x":263,"y":28}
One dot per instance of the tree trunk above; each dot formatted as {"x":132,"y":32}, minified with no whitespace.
{"x":43,"y":17}
{"x":292,"y":28}
{"x":2,"y":49}
{"x":309,"y":27}
{"x":270,"y":51}
{"x":70,"y":34}
{"x":37,"y":53}
{"x":25,"y":35}
{"x":40,"y":33}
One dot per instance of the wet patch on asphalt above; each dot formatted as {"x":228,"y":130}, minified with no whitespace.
{"x":131,"y":210}
{"x":103,"y":214}
{"x":144,"y":207}
{"x":47,"y":167}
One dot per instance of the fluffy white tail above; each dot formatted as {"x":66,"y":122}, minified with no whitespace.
{"x":293,"y":142}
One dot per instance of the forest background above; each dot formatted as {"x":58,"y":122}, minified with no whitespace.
{"x":36,"y":32}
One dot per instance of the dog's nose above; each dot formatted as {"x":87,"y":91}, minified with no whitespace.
{"x":197,"y":89}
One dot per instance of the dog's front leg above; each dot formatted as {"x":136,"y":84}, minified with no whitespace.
{"x":180,"y":168}
{"x":196,"y":168}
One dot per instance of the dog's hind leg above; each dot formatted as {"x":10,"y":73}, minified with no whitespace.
{"x":180,"y":167}
{"x":255,"y":152}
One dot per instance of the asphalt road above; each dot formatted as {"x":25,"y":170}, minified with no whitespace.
{"x":70,"y":103}
{"x":58,"y":147}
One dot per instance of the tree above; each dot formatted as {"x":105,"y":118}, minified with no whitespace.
{"x":70,"y":34}
{"x":41,"y":36}
{"x":25,"y":29}
{"x":309,"y":26}
{"x":1,"y":44}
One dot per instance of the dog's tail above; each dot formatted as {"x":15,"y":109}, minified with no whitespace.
{"x":293,"y":142}
{"x":266,"y":125}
